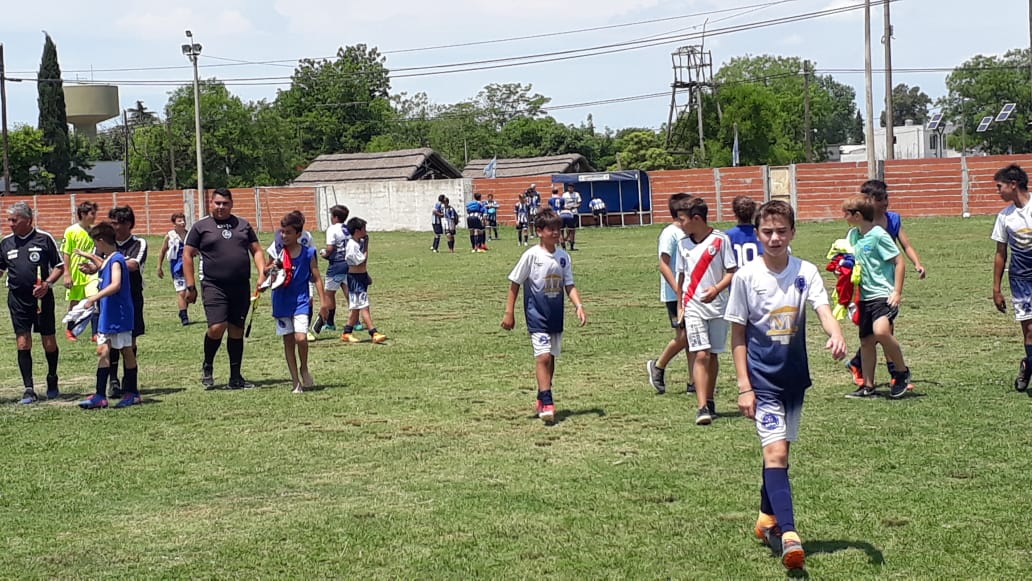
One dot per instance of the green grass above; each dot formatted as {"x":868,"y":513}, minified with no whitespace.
{"x":422,"y":459}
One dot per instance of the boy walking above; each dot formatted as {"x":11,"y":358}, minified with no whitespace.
{"x":881,"y":288}
{"x":545,"y":273}
{"x":743,"y":235}
{"x":77,"y":237}
{"x":767,"y":312}
{"x":337,"y":236}
{"x":522,"y":213}
{"x":1009,"y":231}
{"x":358,"y":284}
{"x":292,"y":303}
{"x":669,"y":241}
{"x":117,"y":314}
{"x":172,"y":247}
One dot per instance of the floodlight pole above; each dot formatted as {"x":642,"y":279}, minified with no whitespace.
{"x":192,"y":51}
{"x":872,"y":170}
{"x":890,"y":140}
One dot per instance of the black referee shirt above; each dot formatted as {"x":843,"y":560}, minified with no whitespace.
{"x":22,"y":259}
{"x":134,"y":248}
{"x":225,"y":248}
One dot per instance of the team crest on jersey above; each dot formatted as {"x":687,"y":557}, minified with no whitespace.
{"x":227,"y":234}
{"x":34,"y":256}
{"x":800,"y":284}
{"x":770,"y":421}
{"x":562,"y":262}
{"x":712,"y":250}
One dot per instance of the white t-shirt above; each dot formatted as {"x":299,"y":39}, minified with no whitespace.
{"x":337,"y":236}
{"x":544,"y":277}
{"x":772,"y":306}
{"x":668,"y":241}
{"x":1013,"y":227}
{"x":573,"y":201}
{"x":353,"y":253}
{"x":703,"y":265}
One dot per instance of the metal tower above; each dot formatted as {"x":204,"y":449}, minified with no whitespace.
{"x":693,"y":77}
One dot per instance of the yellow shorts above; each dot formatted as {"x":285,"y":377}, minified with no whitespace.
{"x":76,"y":293}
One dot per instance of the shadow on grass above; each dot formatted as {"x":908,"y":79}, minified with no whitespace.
{"x":162,"y":391}
{"x":874,"y":555}
{"x":563,"y":415}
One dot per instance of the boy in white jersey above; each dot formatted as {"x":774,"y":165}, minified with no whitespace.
{"x":1011,"y":230}
{"x":669,"y":240}
{"x":546,"y":272}
{"x":172,"y":246}
{"x":767,"y":312}
{"x":705,"y":267}
{"x":337,"y":236}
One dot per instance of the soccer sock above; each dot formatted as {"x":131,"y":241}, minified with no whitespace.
{"x":451,"y":245}
{"x":473,"y":241}
{"x":114,"y":356}
{"x":71,"y":325}
{"x":779,"y":491}
{"x":25,"y":366}
{"x":766,"y":510}
{"x":235,"y":350}
{"x":132,"y":382}
{"x":373,"y":331}
{"x":211,"y":347}
{"x":1028,"y":359}
{"x":93,"y":323}
{"x":330,"y":317}
{"x":545,"y":397}
{"x":437,"y":242}
{"x":182,"y":315}
{"x":891,"y":367}
{"x":348,"y":329}
{"x":855,"y":361}
{"x":51,"y":361}
{"x":102,"y":381}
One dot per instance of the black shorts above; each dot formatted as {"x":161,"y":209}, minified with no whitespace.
{"x":474,"y":223}
{"x":521,"y":226}
{"x":24,"y":315}
{"x":139,"y":327}
{"x":871,"y":311}
{"x":226,"y":304}
{"x":671,"y":311}
{"x":569,"y":221}
{"x":438,"y":229}
{"x":492,"y":220}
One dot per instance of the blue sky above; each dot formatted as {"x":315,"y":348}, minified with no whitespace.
{"x":94,"y":37}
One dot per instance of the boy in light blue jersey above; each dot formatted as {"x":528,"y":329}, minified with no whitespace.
{"x":545,"y":273}
{"x":767,"y":312}
{"x":1011,"y":231}
{"x":292,"y":302}
{"x":881,"y":288}
{"x":115,"y":327}
{"x":743,"y":235}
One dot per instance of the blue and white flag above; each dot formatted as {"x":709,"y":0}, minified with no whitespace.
{"x":734,"y":149}
{"x":491,"y":167}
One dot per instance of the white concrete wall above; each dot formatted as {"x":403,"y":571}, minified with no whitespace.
{"x":392,"y":205}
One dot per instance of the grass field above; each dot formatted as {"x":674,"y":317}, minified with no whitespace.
{"x":422,"y":458}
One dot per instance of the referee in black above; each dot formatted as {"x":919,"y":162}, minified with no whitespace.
{"x":33,"y":263}
{"x":226,"y":244}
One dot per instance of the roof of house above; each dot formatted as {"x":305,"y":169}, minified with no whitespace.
{"x":531,"y":166}
{"x":107,"y":175}
{"x":404,"y":164}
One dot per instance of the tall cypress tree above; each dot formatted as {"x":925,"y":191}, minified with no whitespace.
{"x":53,"y":119}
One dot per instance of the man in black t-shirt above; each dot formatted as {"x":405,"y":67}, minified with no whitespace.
{"x":226,"y":244}
{"x":33,"y":263}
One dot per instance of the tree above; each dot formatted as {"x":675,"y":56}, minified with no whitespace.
{"x":338,"y":105}
{"x":27,"y":153}
{"x":501,"y":103}
{"x":53,"y":120}
{"x":642,"y":150}
{"x":908,"y":103}
{"x":978,"y":88}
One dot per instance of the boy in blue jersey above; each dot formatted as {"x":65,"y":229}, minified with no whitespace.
{"x":522,"y":213}
{"x":1011,"y":230}
{"x":492,"y":214}
{"x":437,"y":222}
{"x":881,"y":288}
{"x":475,"y":213}
{"x":546,"y":273}
{"x":292,"y":303}
{"x":116,"y":319}
{"x":767,"y":312}
{"x":743,"y":235}
{"x":892,"y":223}
{"x":172,"y":247}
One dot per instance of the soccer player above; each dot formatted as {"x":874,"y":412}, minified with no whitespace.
{"x":451,"y":223}
{"x":134,"y":249}
{"x":492,"y":214}
{"x":226,"y":244}
{"x":475,"y":211}
{"x":117,"y":312}
{"x":571,"y":215}
{"x":669,"y":242}
{"x":292,"y":302}
{"x":598,"y":210}
{"x":436,"y":218}
{"x":743,"y":235}
{"x":337,"y":236}
{"x":172,"y":246}
{"x":706,"y":264}
{"x":881,"y":287}
{"x":1010,"y":231}
{"x":77,"y":236}
{"x":767,"y":312}
{"x":522,"y":213}
{"x":534,"y":203}
{"x":545,"y":273}
{"x":33,"y":264}
{"x":892,"y":223}
{"x":358,"y":284}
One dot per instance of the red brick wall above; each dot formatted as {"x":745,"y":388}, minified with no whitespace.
{"x":982,"y":196}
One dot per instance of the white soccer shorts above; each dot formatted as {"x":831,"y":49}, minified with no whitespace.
{"x":706,"y":334}
{"x":776,"y":421}
{"x":289,"y":325}
{"x":545,"y":343}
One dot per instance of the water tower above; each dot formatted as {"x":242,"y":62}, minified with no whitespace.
{"x":88,"y":105}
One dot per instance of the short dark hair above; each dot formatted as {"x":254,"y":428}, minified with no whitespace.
{"x":341,"y":212}
{"x":860,"y":203}
{"x":1012,"y":173}
{"x":356,"y":224}
{"x":224,"y":192}
{"x":440,"y":198}
{"x":178,"y":215}
{"x":122,"y":215}
{"x":877,"y":189}
{"x":103,"y":231}
{"x":775,"y":208}
{"x":695,"y":206}
{"x":547,"y":218}
{"x":85,"y":208}
{"x":677,"y":198}
{"x":476,"y":195}
{"x":294,"y":220}
{"x":744,"y":208}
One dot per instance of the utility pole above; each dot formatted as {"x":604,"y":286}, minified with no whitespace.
{"x":872,"y":170}
{"x":890,"y":138}
{"x":192,"y":51}
{"x":806,"y":111}
{"x":3,"y":114}
{"x":125,"y":156}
